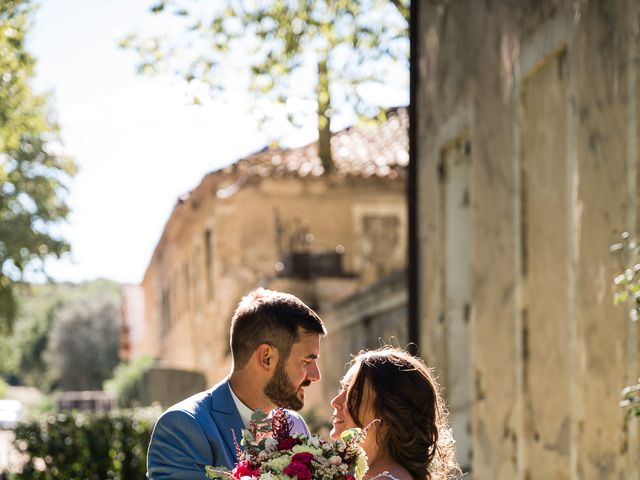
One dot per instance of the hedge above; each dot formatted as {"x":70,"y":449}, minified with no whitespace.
{"x":78,"y":445}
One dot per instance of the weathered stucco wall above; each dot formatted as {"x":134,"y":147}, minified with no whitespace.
{"x":544,"y":95}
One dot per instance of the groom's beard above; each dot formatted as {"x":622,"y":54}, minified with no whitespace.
{"x":282,"y":392}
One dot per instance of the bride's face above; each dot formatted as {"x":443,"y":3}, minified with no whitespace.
{"x":341,"y":418}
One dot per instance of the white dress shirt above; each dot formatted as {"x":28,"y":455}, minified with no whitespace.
{"x":244,"y":411}
{"x":298,"y":424}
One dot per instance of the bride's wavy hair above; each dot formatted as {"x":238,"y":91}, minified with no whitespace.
{"x":414,"y":423}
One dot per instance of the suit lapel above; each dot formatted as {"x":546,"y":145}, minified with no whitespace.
{"x":226,"y":416}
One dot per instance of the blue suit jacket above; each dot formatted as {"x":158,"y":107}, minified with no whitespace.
{"x":198,"y":432}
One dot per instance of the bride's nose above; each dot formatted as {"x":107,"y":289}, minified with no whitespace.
{"x":338,"y":401}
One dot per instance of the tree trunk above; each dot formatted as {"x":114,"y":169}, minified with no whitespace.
{"x":324,"y":118}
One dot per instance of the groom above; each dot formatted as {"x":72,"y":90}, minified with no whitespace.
{"x":275,"y":343}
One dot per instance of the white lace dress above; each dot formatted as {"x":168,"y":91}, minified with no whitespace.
{"x":384,"y":475}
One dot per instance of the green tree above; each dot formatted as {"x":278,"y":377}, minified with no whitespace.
{"x":284,"y":45}
{"x":33,"y":174}
{"x":82,"y":351}
{"x":39,"y":305}
{"x":30,"y":339}
{"x":3,"y":388}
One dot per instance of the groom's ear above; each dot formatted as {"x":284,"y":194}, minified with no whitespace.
{"x":266,"y":356}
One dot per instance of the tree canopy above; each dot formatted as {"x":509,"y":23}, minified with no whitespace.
{"x":83,"y":345}
{"x":41,"y":306}
{"x":33,"y":172}
{"x":298,"y":57}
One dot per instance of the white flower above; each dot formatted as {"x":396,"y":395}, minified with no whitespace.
{"x":270,"y":444}
{"x":266,"y":476}
{"x":314,"y":440}
{"x":343,"y":467}
{"x":361,"y":465}
{"x":335,"y":460}
{"x":248,"y":477}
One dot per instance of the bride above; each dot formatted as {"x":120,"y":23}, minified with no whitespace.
{"x":412,"y":439}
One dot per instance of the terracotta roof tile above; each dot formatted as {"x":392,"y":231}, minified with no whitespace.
{"x":380,"y":150}
{"x":371,"y":150}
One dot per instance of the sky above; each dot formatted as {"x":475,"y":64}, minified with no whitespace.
{"x":138,"y":142}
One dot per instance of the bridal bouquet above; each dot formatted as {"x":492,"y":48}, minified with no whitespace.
{"x":271,"y":452}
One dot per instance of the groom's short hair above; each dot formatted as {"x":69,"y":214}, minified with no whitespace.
{"x":267,"y":316}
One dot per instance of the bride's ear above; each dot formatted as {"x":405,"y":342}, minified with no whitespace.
{"x":266,"y":357}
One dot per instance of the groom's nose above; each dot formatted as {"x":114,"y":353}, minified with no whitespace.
{"x":313,"y":373}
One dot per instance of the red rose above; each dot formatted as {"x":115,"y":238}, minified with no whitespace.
{"x":243,"y":469}
{"x":304,"y":457}
{"x":287,"y":443}
{"x":349,"y":477}
{"x":298,"y":469}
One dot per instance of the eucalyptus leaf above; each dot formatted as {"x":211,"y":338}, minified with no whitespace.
{"x":258,"y":416}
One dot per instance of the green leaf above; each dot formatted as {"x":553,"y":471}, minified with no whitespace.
{"x":158,"y":7}
{"x":620,"y":297}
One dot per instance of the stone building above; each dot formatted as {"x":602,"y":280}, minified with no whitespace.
{"x":275,"y":219}
{"x":525,"y":123}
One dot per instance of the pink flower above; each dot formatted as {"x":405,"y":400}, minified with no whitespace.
{"x":287,"y":443}
{"x":243,"y":469}
{"x":297,"y":469}
{"x":304,"y":457}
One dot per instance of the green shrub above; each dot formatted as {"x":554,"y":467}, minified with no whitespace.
{"x":44,"y":406}
{"x":3,"y":388}
{"x":104,"y":445}
{"x":127,"y":377}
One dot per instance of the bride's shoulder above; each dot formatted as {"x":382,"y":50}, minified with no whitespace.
{"x":396,"y":474}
